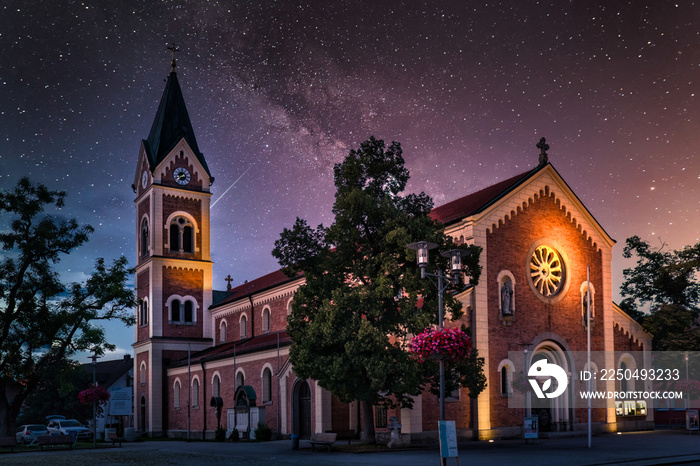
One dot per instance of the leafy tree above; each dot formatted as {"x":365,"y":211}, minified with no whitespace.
{"x":353,"y":318}
{"x":59,"y":395}
{"x":666,"y":285}
{"x":43,"y":322}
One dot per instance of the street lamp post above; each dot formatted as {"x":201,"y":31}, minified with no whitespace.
{"x":455,"y":255}
{"x":94,"y":410}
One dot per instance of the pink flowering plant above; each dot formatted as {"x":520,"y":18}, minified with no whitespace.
{"x":450,"y":344}
{"x":692,"y":387}
{"x":93,"y":394}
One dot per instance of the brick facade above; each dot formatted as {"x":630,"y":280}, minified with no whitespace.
{"x":508,"y":220}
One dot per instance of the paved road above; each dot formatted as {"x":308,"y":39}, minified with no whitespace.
{"x":633,"y":449}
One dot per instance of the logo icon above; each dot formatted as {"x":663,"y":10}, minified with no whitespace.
{"x":542,"y":368}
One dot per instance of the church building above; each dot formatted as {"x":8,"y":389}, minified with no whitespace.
{"x":205,"y":359}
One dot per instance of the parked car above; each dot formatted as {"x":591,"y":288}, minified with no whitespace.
{"x":69,"y":427}
{"x":27,"y":433}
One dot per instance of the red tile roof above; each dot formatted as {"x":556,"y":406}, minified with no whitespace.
{"x":475,"y":202}
{"x":255,"y":286}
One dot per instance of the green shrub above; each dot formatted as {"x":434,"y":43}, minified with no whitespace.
{"x":220,"y":434}
{"x":263,"y":433}
{"x":234,"y":435}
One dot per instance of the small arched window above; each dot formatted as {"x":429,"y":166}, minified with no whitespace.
{"x":195,"y":393}
{"x":175,"y":310}
{"x":267,"y":385}
{"x":216,"y":386}
{"x":244,"y":326}
{"x":142,"y":373}
{"x":504,"y":381}
{"x":176,"y":394}
{"x":189,"y":313}
{"x":144,"y":237}
{"x":266,"y":320}
{"x":240,"y":379}
{"x":222,"y":332}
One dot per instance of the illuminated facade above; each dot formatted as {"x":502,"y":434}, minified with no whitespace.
{"x":538,"y":240}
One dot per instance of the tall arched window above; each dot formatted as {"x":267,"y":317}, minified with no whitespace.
{"x":176,"y":394}
{"x":216,"y":386}
{"x":267,"y":385}
{"x":195,"y":393}
{"x":623,"y":381}
{"x":240,"y":379}
{"x":144,"y":237}
{"x":506,"y":371}
{"x":266,"y":320}
{"x":142,"y":373}
{"x":175,"y":310}
{"x":222,"y":332}
{"x":244,"y":326}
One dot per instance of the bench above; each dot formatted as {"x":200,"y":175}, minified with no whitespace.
{"x":114,"y":439}
{"x":8,"y":442}
{"x":54,"y":440}
{"x":327,"y":440}
{"x":347,"y":434}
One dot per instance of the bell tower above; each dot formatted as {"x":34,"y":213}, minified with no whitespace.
{"x":173,"y":266}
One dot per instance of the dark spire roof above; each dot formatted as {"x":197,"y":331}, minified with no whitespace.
{"x":171,"y":124}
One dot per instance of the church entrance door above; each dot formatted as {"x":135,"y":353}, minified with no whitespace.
{"x":302,"y":409}
{"x":554,"y":414}
{"x":143,"y":415}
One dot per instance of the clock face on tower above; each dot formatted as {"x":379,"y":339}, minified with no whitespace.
{"x":144,"y":179}
{"x":181,"y":175}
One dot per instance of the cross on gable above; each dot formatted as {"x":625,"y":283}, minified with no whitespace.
{"x":228,"y":280}
{"x":543,"y":147}
{"x":173,"y":48}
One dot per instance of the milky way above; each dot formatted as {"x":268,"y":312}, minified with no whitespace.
{"x":284,"y":91}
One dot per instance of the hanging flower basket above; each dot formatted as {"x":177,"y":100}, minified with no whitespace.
{"x":450,"y":344}
{"x":692,"y":387}
{"x":94,"y":394}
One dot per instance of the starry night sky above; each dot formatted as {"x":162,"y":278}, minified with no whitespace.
{"x":278,"y":92}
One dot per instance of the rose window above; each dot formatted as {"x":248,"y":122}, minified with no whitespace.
{"x":547,"y":271}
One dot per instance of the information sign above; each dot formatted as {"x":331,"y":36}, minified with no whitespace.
{"x":120,"y":401}
{"x":530,"y":427}
{"x":448,"y":439}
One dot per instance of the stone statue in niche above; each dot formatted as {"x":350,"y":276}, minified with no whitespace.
{"x":506,"y":298}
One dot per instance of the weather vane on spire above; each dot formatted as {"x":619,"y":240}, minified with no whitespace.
{"x":543,"y":147}
{"x":173,"y":48}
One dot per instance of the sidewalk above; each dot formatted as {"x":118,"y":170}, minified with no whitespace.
{"x":635,"y":449}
